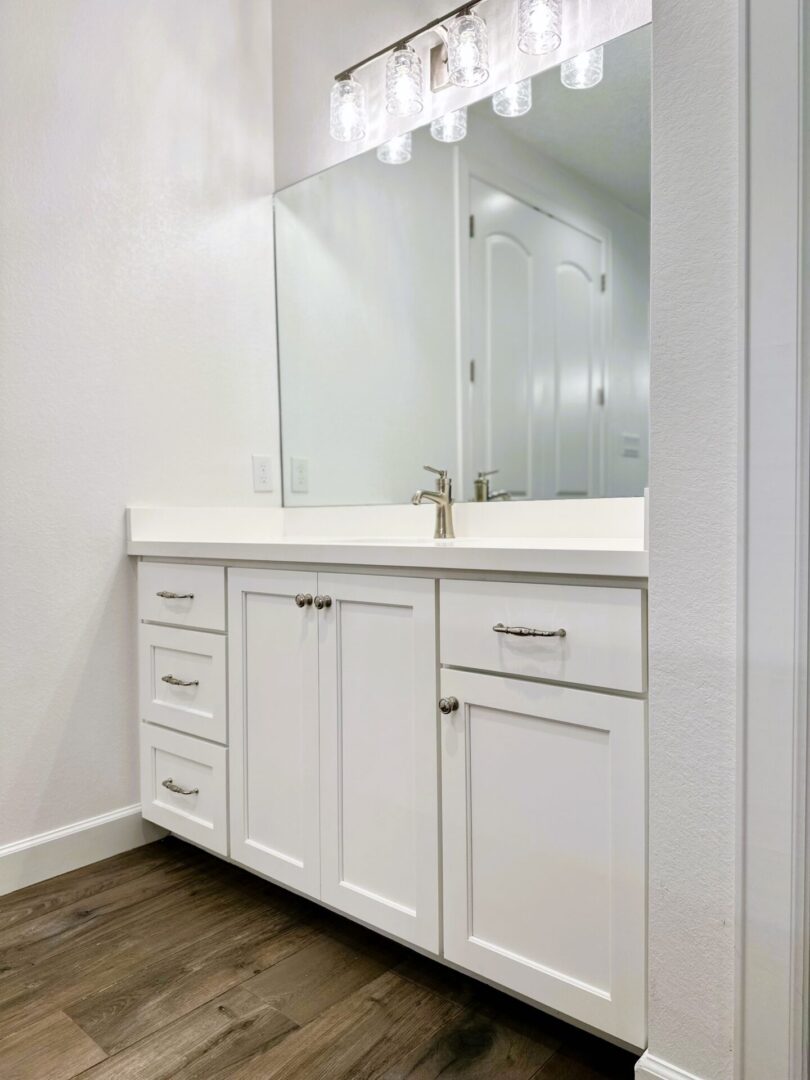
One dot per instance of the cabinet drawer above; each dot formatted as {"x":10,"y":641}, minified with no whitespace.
{"x":604,"y":632}
{"x":195,"y":806}
{"x":182,"y":594}
{"x":182,"y":681}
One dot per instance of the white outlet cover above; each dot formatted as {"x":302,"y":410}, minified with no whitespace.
{"x":262,"y":472}
{"x":299,"y":479}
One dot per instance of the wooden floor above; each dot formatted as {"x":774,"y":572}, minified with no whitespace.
{"x":167,"y":963}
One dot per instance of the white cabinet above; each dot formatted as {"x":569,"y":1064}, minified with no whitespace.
{"x":364,"y":664}
{"x":273,"y":692}
{"x":543,"y":826}
{"x":183,"y":784}
{"x":182,"y":680}
{"x":603,"y":643}
{"x":379,"y":772}
{"x":339,"y":770}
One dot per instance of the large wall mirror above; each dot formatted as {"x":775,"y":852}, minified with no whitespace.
{"x":483,"y":307}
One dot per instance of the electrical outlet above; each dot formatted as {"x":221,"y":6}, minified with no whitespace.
{"x":262,"y":472}
{"x":299,"y":480}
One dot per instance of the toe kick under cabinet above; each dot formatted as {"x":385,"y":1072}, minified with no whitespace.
{"x":458,"y":763}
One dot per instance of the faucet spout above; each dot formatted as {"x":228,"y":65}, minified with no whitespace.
{"x":442,"y":498}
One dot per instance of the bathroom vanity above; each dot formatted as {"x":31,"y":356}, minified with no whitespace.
{"x":444,"y":740}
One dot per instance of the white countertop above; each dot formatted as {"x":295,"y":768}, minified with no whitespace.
{"x":540,"y":538}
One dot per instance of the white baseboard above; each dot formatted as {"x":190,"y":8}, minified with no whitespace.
{"x":56,"y":852}
{"x":649,"y":1067}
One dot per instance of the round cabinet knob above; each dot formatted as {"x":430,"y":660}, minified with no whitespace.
{"x":448,"y":704}
{"x":323,"y":602}
{"x":303,"y":599}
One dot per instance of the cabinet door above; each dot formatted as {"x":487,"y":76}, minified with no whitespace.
{"x":273,"y":694}
{"x":379,"y":753}
{"x":543,"y":811}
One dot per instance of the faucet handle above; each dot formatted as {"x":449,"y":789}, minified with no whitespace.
{"x":483,"y":473}
{"x":442,"y":473}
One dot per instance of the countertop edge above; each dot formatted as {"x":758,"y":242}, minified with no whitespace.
{"x":593,"y":562}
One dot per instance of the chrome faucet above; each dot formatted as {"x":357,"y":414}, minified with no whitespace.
{"x":481,"y":488}
{"x":443,"y":498}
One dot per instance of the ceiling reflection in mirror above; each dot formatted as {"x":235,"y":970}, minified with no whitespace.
{"x":481,"y":307}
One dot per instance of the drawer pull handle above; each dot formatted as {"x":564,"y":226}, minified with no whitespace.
{"x":526,"y":631}
{"x":323,"y":602}
{"x":448,"y":705}
{"x":170,"y":784}
{"x":303,"y":599}
{"x":172,"y":680}
{"x":164,"y":595}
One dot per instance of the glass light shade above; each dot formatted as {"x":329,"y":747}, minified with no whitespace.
{"x":468,"y":50}
{"x":452,"y":127}
{"x":347,"y":115}
{"x":539,"y":26}
{"x":403,"y":82}
{"x":514,"y":100}
{"x":396,"y":151}
{"x":583,"y":71}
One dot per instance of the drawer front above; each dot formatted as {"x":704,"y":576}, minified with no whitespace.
{"x":182,"y":681}
{"x":603,"y":644}
{"x":195,"y":804}
{"x":182,"y":594}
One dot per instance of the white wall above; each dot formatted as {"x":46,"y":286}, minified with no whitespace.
{"x":136,"y":350}
{"x":694,"y":533}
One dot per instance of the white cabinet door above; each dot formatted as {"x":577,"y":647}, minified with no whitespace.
{"x":543,"y":812}
{"x":273,"y":694}
{"x":379,"y":753}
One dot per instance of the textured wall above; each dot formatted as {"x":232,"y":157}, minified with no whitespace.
{"x":136,"y":350}
{"x":693,"y":533}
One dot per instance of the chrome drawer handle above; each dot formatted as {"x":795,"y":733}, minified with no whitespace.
{"x":526,"y":631}
{"x":170,"y":784}
{"x":323,"y":602}
{"x":303,"y":599}
{"x":175,"y":595}
{"x":172,"y":680}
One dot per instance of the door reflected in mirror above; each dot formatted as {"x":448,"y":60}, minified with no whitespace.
{"x":483,"y":307}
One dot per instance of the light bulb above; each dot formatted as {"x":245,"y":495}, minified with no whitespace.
{"x":514,"y":100}
{"x":539,"y":26}
{"x":347,"y":117}
{"x":452,"y":127}
{"x":583,"y":71}
{"x":468,"y":50}
{"x":396,"y":151}
{"x":403,"y":82}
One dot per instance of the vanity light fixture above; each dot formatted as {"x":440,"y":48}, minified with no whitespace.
{"x":347,"y":116}
{"x":513,"y":100}
{"x":452,"y":127}
{"x":403,"y":82}
{"x":397,"y":151}
{"x":461,"y":59}
{"x":583,"y":71}
{"x":539,"y":26}
{"x":468,"y":50}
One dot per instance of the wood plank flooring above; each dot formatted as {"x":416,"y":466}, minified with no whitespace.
{"x":168,"y":964}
